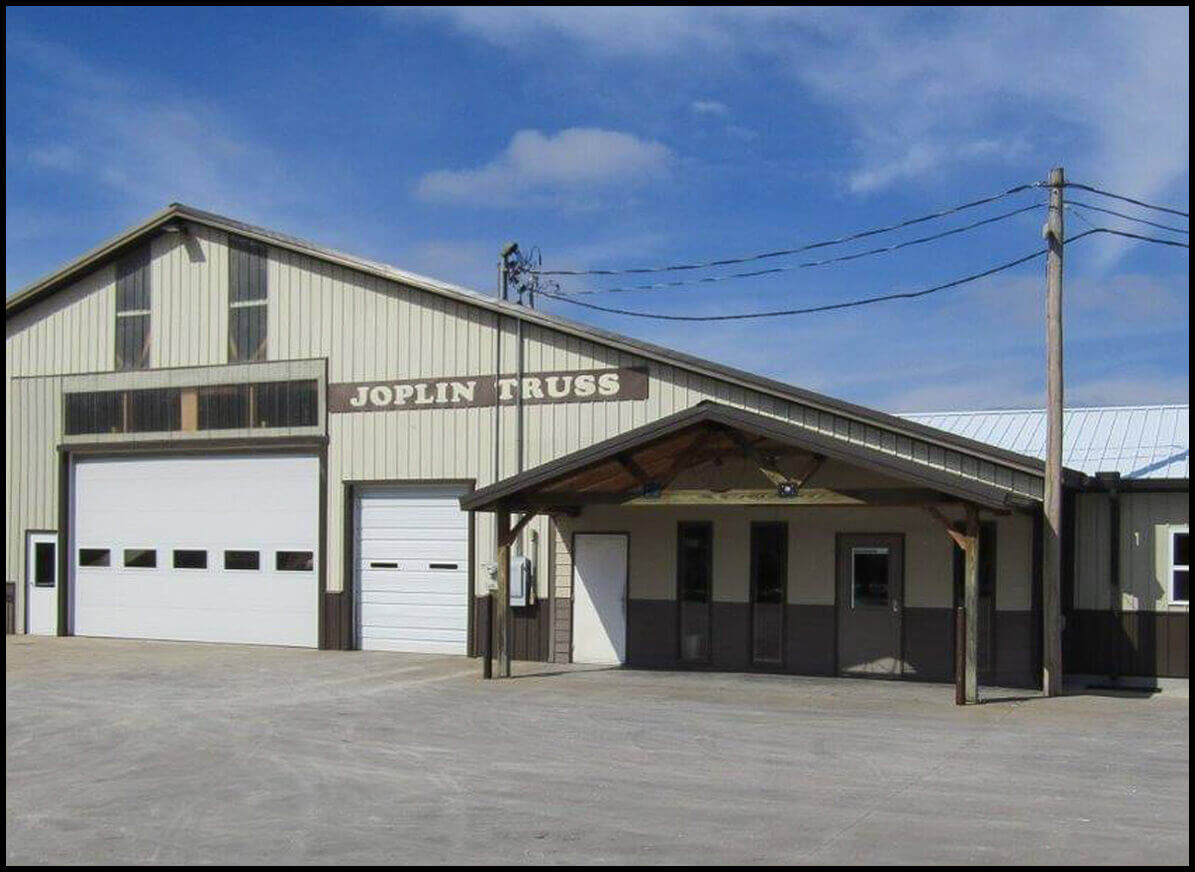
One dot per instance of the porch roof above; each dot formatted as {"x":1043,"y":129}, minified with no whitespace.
{"x":637,"y":466}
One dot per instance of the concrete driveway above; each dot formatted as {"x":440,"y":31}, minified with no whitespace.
{"x":135,"y":752}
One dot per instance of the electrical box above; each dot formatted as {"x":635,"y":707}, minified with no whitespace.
{"x":522,"y":582}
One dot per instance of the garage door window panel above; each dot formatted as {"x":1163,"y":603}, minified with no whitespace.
{"x":140,"y":558}
{"x":242,"y":560}
{"x":294,"y":561}
{"x":94,"y":558}
{"x":189,"y":558}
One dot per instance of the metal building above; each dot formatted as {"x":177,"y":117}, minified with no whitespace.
{"x":216,"y":432}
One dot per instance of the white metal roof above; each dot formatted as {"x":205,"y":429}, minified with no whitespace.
{"x":1136,"y":441}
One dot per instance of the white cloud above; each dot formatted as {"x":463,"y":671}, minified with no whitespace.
{"x":709,"y":107}
{"x":963,"y":88}
{"x":572,"y":163}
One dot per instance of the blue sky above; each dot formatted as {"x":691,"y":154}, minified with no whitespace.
{"x":427,"y":138}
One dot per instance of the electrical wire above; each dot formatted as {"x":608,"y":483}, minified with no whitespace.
{"x":1081,"y":205}
{"x":1174,"y":243}
{"x":1125,"y":199}
{"x":805,"y":265}
{"x":851,"y":237}
{"x":865,"y":301}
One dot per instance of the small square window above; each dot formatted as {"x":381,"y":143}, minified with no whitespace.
{"x":869,"y":577}
{"x":140,"y":558}
{"x":1180,"y":566}
{"x":189,"y":558}
{"x":242,"y":560}
{"x":294,"y":561}
{"x":93,"y":557}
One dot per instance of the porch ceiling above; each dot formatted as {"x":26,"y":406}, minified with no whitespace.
{"x":641,"y":466}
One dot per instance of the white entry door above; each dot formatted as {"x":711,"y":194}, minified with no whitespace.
{"x":41,"y":584}
{"x":599,"y":598}
{"x":412,"y":573}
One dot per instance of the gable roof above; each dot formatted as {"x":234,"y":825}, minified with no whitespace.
{"x":539,"y":482}
{"x":1139,"y":442}
{"x":177,"y":213}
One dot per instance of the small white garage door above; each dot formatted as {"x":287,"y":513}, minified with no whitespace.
{"x":412,"y":557}
{"x":208,"y":548}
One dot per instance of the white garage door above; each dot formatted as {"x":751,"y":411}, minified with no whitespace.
{"x":209,"y":549}
{"x":412,"y":557}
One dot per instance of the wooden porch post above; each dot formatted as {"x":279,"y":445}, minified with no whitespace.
{"x":971,"y":606}
{"x":966,"y":654}
{"x":502,"y":596}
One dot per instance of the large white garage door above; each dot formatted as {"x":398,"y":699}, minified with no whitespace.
{"x":209,"y":549}
{"x":412,"y":556}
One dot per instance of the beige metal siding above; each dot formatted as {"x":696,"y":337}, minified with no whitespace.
{"x":1144,"y":560}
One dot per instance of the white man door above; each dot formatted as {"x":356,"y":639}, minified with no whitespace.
{"x":599,"y":598}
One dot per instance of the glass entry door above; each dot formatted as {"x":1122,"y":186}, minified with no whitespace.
{"x":694,"y":582}
{"x":769,"y":585}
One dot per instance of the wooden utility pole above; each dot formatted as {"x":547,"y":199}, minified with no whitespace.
{"x":1052,"y":514}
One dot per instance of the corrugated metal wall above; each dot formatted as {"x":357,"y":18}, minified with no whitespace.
{"x":368,"y":327}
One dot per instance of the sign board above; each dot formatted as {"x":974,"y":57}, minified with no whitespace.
{"x":462,"y":392}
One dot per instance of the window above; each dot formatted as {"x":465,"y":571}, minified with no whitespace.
{"x":869,"y":577}
{"x":211,"y":407}
{"x":140,"y":558}
{"x":286,"y":404}
{"x":242,"y":560}
{"x":1180,"y":566}
{"x":247,"y":301}
{"x":43,"y":564}
{"x":93,"y":557}
{"x":96,"y":412}
{"x":156,"y":410}
{"x":224,"y":407}
{"x":294,"y":561}
{"x":189,"y":558}
{"x":132,"y":311}
{"x":694,"y":579}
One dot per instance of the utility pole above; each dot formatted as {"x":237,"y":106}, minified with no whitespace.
{"x":1052,"y":500}
{"x":500,"y":619}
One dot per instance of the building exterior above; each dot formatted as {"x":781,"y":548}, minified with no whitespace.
{"x":1126,"y":593}
{"x":215,"y":432}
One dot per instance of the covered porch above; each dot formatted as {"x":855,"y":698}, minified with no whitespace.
{"x":723,"y":539}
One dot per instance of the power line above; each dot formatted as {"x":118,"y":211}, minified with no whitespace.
{"x":1125,"y":199}
{"x":1174,"y":243}
{"x":807,"y":264}
{"x":1081,"y":205}
{"x":851,"y":237}
{"x":865,"y":301}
